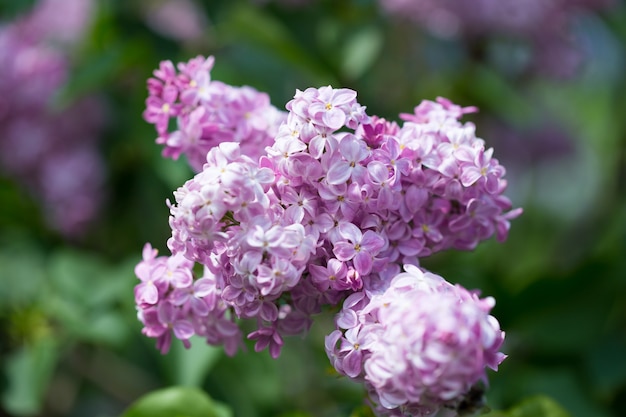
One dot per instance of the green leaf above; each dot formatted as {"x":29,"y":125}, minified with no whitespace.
{"x":173,"y":173}
{"x":85,"y":296}
{"x":91,"y":75}
{"x":252,"y":25}
{"x":192,"y":365}
{"x":23,"y":275}
{"x":10,"y":9}
{"x":75,"y":275}
{"x":362,"y":411}
{"x":107,"y":328}
{"x":501,"y":98}
{"x":177,"y":402}
{"x":28,"y":372}
{"x":605,"y":365}
{"x":538,"y":406}
{"x":360,"y":51}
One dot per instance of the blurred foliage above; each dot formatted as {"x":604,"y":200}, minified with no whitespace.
{"x":538,"y":406}
{"x":177,"y":401}
{"x":69,"y":341}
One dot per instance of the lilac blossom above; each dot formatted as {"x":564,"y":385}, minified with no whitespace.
{"x":207,"y":112}
{"x":326,"y":214}
{"x":359,"y":247}
{"x":171,"y":300}
{"x":420,"y":343}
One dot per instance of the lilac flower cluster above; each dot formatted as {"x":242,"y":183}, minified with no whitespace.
{"x":207,"y":112}
{"x":50,"y":152}
{"x":192,"y":306}
{"x":331,"y":210}
{"x":419,"y":345}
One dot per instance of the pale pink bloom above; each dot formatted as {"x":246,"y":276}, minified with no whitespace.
{"x":267,"y":337}
{"x":331,"y":106}
{"x":359,"y":247}
{"x":329,"y":276}
{"x":347,"y":164}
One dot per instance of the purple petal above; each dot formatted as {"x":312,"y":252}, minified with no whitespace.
{"x":343,"y":96}
{"x":264,"y":176}
{"x":166,"y":312}
{"x":148,"y":252}
{"x":183,"y":329}
{"x":170,"y":93}
{"x":199,"y":307}
{"x":182,"y":278}
{"x":448,"y":167}
{"x":146,"y":293}
{"x":334,"y":118}
{"x":203,"y":287}
{"x":372,"y":242}
{"x":316,"y":146}
{"x":493,"y":184}
{"x":339,"y":173}
{"x":415,"y":198}
{"x":470,"y":175}
{"x":179,"y":296}
{"x":269,"y":311}
{"x":352,"y":363}
{"x":276,"y":346}
{"x":350,"y":232}
{"x":363,"y":263}
{"x":347,"y":319}
{"x":142,"y":271}
{"x":330,"y":341}
{"x":411,"y":247}
{"x":378,"y":171}
{"x":336,"y":267}
{"x":344,"y":251}
{"x":434,"y":234}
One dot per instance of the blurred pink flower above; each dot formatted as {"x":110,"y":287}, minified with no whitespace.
{"x":545,"y":25}
{"x":51,"y":152}
{"x":180,"y":20}
{"x":63,"y":21}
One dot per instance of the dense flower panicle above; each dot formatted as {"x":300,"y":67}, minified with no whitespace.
{"x":170,"y":300}
{"x":328,"y":213}
{"x":207,"y":112}
{"x":422,"y":343}
{"x":228,"y":219}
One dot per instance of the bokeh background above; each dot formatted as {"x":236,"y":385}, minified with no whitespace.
{"x":83,"y":187}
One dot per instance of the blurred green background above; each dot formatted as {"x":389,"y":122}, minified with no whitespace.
{"x":70,"y":344}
